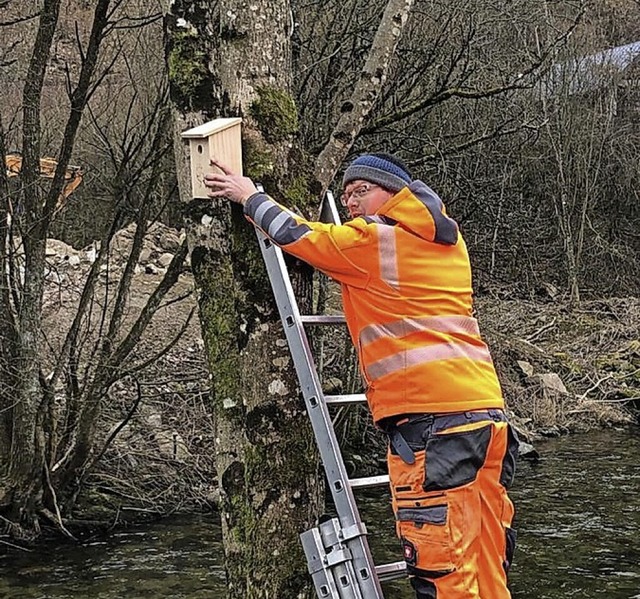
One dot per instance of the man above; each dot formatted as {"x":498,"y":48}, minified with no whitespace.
{"x":431,"y":384}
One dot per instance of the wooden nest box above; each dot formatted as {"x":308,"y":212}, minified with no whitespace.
{"x":219,"y":138}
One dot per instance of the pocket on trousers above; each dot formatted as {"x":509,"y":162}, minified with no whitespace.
{"x":454,"y":459}
{"x":406,"y":479}
{"x":508,"y":471}
{"x":438,"y":530}
{"x":425,"y":533}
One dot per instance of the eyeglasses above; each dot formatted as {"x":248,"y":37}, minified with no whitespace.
{"x":358,"y":193}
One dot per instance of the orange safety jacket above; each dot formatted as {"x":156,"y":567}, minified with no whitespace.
{"x":406,"y":290}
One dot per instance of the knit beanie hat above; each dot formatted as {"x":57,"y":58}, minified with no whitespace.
{"x":383,"y":169}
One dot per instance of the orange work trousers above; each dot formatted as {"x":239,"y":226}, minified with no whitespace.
{"x":453,"y":514}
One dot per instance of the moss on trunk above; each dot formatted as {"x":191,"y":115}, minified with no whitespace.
{"x":270,"y":487}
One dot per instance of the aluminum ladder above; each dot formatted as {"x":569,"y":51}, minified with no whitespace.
{"x":337,"y":551}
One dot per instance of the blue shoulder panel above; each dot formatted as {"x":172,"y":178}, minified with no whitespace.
{"x":446,"y":228}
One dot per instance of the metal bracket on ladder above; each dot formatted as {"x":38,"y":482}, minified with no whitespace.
{"x":330,"y":561}
{"x":337,"y":550}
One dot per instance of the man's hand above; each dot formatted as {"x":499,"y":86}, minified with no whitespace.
{"x":229,"y":185}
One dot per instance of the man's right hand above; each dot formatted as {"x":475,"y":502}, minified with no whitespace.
{"x":229,"y":185}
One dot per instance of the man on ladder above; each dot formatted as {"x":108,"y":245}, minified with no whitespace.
{"x":431,"y":383}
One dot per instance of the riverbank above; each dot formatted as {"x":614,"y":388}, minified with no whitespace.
{"x":566,"y":370}
{"x":562,"y":371}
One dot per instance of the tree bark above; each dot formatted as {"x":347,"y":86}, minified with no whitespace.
{"x":268,"y":470}
{"x":26,"y":460}
{"x":372,"y":79}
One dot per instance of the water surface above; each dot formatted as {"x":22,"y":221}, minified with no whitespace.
{"x":578,"y":518}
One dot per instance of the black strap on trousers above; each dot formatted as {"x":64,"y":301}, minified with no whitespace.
{"x":409,"y":432}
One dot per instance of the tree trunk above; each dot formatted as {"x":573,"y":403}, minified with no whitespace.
{"x":374,"y":74}
{"x":24,"y":482}
{"x":268,"y":471}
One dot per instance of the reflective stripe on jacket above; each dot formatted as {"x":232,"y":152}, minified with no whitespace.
{"x":406,"y":290}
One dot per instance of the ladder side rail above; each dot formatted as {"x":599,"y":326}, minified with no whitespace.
{"x":344,"y":500}
{"x":309,"y":381}
{"x":385,"y":572}
{"x":329,"y":210}
{"x":329,"y":214}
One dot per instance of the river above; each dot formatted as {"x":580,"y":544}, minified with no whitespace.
{"x":578,"y":520}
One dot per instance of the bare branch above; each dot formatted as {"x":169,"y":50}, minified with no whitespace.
{"x":129,"y":23}
{"x":523,"y":80}
{"x":169,"y":279}
{"x":120,"y":426}
{"x":17,"y":19}
{"x":78,"y":102}
{"x":57,"y":519}
{"x":32,"y":94}
{"x":159,"y":354}
{"x":366,"y":91}
{"x":497,"y":132}
{"x":71,"y":339}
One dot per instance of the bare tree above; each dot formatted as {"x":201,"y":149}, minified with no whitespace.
{"x":53,"y":389}
{"x":580,"y":113}
{"x":356,"y":109}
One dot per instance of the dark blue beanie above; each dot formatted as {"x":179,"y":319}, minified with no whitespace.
{"x":377,"y":168}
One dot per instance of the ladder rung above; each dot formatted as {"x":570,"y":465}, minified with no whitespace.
{"x":369,"y":481}
{"x":342,"y":400}
{"x":322,"y":318}
{"x":392,"y":571}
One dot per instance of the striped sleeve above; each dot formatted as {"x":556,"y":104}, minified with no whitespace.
{"x":278,"y":223}
{"x":327,"y":247}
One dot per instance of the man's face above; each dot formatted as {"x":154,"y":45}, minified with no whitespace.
{"x":363,"y":198}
